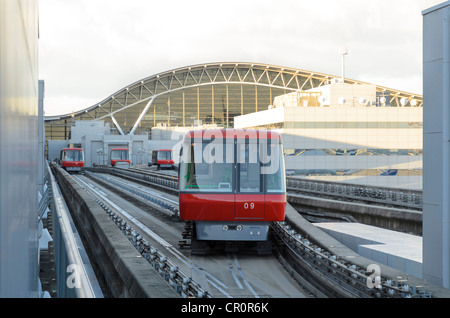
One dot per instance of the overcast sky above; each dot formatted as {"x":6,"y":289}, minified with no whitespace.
{"x":89,"y":49}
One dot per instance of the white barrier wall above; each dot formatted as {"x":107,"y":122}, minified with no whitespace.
{"x":19,"y":268}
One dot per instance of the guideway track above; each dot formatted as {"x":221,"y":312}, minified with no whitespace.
{"x":180,"y":282}
{"x":120,"y":270}
{"x":223,"y":274}
{"x":354,"y":278}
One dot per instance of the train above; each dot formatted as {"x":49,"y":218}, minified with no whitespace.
{"x":120,"y":157}
{"x":72,"y":159}
{"x":162,"y":158}
{"x":232,"y":185}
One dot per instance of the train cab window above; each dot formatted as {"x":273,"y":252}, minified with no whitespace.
{"x":67,"y":155}
{"x":73,"y":155}
{"x":164,"y":155}
{"x":120,"y":155}
{"x":206,"y":169}
{"x":249,"y":167}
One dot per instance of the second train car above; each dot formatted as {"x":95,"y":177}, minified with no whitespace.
{"x":232,"y":185}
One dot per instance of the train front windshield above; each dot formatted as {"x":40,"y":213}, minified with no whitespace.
{"x":120,"y":155}
{"x":164,"y":155}
{"x":247,"y":166}
{"x":73,"y":155}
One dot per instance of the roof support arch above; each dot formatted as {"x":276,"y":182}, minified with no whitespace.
{"x":143,"y":113}
{"x":117,"y":125}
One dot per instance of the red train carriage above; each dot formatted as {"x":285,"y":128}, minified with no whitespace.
{"x":232,"y":184}
{"x":72,"y":159}
{"x":120,"y":155}
{"x":162,"y":159}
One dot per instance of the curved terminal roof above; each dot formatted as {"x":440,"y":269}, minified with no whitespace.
{"x":127,"y":107}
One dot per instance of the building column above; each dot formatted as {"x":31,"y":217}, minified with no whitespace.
{"x":436,"y":140}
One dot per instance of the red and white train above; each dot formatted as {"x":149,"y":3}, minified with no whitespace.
{"x":162,"y":158}
{"x":231,"y":184}
{"x":120,"y":155}
{"x":72,"y":159}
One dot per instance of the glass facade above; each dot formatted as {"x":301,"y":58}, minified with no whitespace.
{"x":212,"y":93}
{"x":370,"y":145}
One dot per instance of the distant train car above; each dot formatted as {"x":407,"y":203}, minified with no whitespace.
{"x":232,"y":184}
{"x":120,"y":156}
{"x":162,"y":159}
{"x":72,"y":159}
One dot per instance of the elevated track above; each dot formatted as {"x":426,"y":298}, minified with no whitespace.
{"x":341,"y":273}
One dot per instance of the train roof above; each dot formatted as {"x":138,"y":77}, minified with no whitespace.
{"x":120,"y":149}
{"x":233,"y":133}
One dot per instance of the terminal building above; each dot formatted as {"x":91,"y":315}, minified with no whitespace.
{"x":344,"y":133}
{"x":333,"y":129}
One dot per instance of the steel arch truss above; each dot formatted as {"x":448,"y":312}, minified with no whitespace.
{"x":143,"y":93}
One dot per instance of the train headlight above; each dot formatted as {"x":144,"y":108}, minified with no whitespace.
{"x":239,"y":227}
{"x":224,"y":227}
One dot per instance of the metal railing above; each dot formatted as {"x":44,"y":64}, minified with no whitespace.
{"x":387,"y":196}
{"x":353,"y":279}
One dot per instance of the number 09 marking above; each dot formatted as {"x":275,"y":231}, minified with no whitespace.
{"x":246,"y":205}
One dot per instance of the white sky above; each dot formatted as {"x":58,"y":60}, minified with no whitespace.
{"x":89,"y":49}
